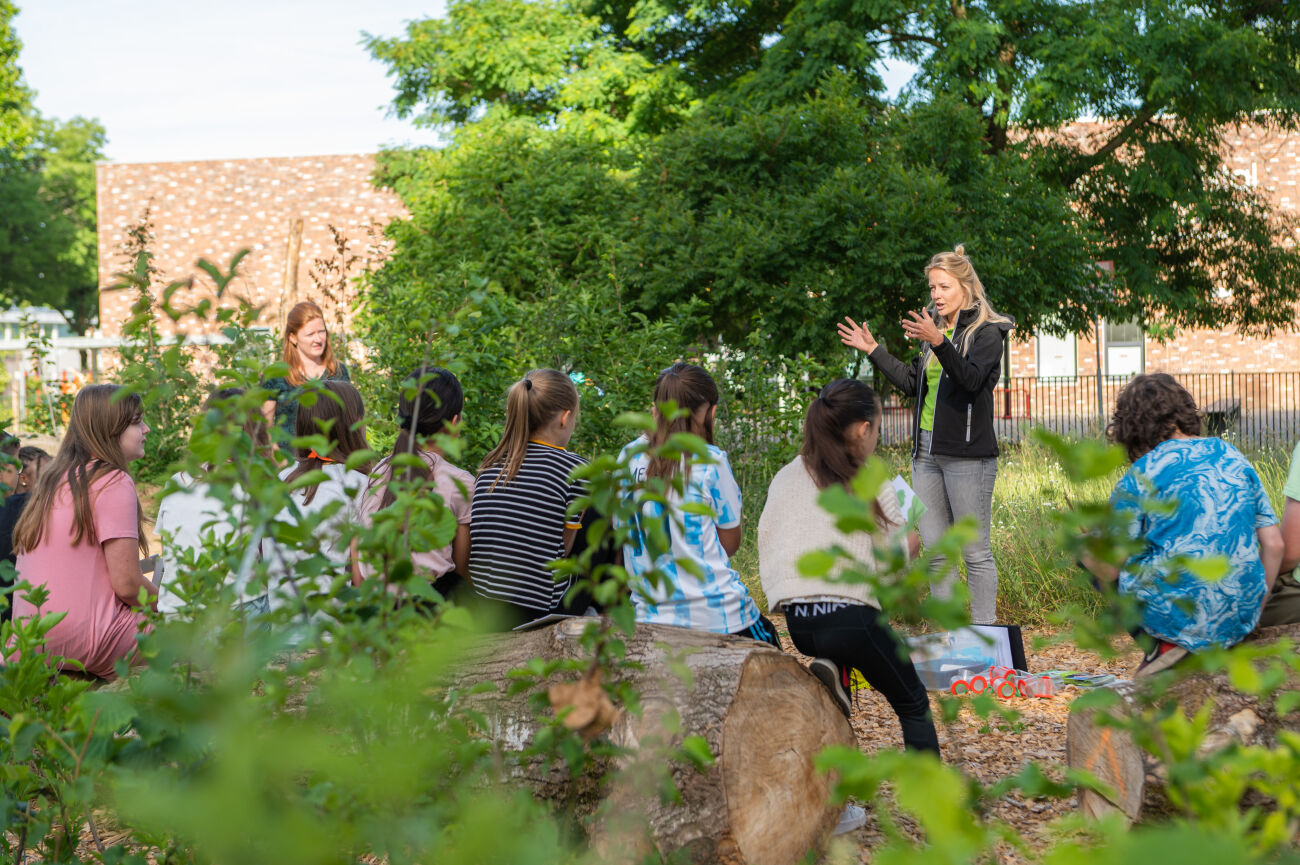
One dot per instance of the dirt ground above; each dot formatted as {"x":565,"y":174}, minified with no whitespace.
{"x":988,"y":755}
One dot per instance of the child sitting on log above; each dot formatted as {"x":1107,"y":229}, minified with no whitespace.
{"x":428,"y":405}
{"x":328,"y":506}
{"x":840,"y":624}
{"x":1214,"y":506}
{"x":82,"y":534}
{"x":519,"y":519}
{"x":191,"y":518}
{"x":708,"y":595}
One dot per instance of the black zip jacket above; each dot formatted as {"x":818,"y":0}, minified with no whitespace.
{"x":963,"y":409}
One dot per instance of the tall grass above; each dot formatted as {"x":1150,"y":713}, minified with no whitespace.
{"x":1034,"y":579}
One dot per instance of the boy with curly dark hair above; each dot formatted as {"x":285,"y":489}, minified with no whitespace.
{"x":1188,"y":498}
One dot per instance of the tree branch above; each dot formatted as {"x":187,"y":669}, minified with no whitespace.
{"x":1144,"y":114}
{"x":906,"y":37}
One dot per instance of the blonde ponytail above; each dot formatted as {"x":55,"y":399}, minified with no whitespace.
{"x":531,"y":403}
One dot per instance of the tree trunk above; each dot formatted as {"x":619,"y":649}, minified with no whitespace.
{"x":289,"y":288}
{"x":1138,"y":778}
{"x":763,"y":715}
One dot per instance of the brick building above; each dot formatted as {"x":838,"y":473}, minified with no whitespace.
{"x":212,"y":209}
{"x":1262,"y":158}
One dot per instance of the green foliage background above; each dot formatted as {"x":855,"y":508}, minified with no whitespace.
{"x":746,"y":156}
{"x":47,"y":197}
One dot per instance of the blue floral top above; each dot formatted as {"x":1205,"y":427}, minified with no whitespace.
{"x":1195,"y":498}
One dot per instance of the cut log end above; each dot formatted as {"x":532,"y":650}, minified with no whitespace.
{"x":1135,"y":778}
{"x":776,"y":800}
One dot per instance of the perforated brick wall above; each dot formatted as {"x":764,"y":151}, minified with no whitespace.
{"x":212,"y":209}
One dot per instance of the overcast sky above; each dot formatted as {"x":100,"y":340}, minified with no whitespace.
{"x":219,"y":79}
{"x":179,"y":80}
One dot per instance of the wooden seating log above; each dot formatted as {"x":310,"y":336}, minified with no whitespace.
{"x":763,"y":715}
{"x":1136,"y":777}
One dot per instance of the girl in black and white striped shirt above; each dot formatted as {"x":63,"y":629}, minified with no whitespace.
{"x":519,"y":512}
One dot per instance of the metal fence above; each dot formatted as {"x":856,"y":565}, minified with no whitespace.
{"x":1254,"y":410}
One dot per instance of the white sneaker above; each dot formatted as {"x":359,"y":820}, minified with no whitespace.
{"x":852,"y":818}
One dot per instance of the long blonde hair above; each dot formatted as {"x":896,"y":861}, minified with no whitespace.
{"x":958,"y":266}
{"x":90,"y":450}
{"x":531,"y":403}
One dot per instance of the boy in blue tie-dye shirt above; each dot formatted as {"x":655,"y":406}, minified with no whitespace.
{"x":1216,"y":507}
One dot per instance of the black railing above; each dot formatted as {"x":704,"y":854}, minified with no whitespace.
{"x":1254,"y":410}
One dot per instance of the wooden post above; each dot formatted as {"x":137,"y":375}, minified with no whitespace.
{"x":289,"y":289}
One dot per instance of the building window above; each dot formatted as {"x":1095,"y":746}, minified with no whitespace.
{"x":1125,"y":348}
{"x":1058,"y":356}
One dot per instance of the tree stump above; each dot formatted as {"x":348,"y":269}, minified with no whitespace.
{"x":1138,"y":778}
{"x":763,"y":715}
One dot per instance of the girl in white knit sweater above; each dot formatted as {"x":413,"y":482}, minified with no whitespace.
{"x":838,"y":623}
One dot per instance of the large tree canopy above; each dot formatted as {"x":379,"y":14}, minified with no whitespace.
{"x":48,"y":241}
{"x":746,"y":154}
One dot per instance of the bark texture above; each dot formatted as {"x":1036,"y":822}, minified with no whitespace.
{"x":1138,"y":778}
{"x":762,"y":713}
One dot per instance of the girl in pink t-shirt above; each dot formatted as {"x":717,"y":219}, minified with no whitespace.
{"x":429,"y":403}
{"x":82,"y":534}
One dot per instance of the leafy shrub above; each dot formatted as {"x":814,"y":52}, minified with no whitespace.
{"x":324,"y":732}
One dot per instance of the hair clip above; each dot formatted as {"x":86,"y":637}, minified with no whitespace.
{"x":528,"y":384}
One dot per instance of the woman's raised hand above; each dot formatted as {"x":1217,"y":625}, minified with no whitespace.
{"x":921,"y":326}
{"x":856,"y":336}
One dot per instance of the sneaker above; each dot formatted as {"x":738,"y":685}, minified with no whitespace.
{"x":852,"y":818}
{"x":1161,"y":657}
{"x":829,"y":675}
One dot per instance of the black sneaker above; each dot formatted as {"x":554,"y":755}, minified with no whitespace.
{"x":1161,"y":657}
{"x":829,"y":675}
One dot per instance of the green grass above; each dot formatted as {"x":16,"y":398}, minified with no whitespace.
{"x":1033,"y":579}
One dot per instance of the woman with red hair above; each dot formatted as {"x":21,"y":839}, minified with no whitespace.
{"x":309,"y":355}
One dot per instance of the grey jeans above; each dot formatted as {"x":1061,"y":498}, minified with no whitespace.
{"x":952,"y":488}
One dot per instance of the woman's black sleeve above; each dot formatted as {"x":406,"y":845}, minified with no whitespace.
{"x":905,"y":377}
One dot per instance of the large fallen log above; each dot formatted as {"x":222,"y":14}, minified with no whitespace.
{"x":762,"y":714}
{"x":1137,"y":778}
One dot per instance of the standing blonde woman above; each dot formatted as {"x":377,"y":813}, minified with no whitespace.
{"x":82,"y":534}
{"x":955,"y":450}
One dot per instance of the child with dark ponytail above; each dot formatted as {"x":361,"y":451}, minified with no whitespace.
{"x":429,"y":404}
{"x":338,"y":414}
{"x":839,"y":624}
{"x":710,"y":595}
{"x":519,"y":514}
